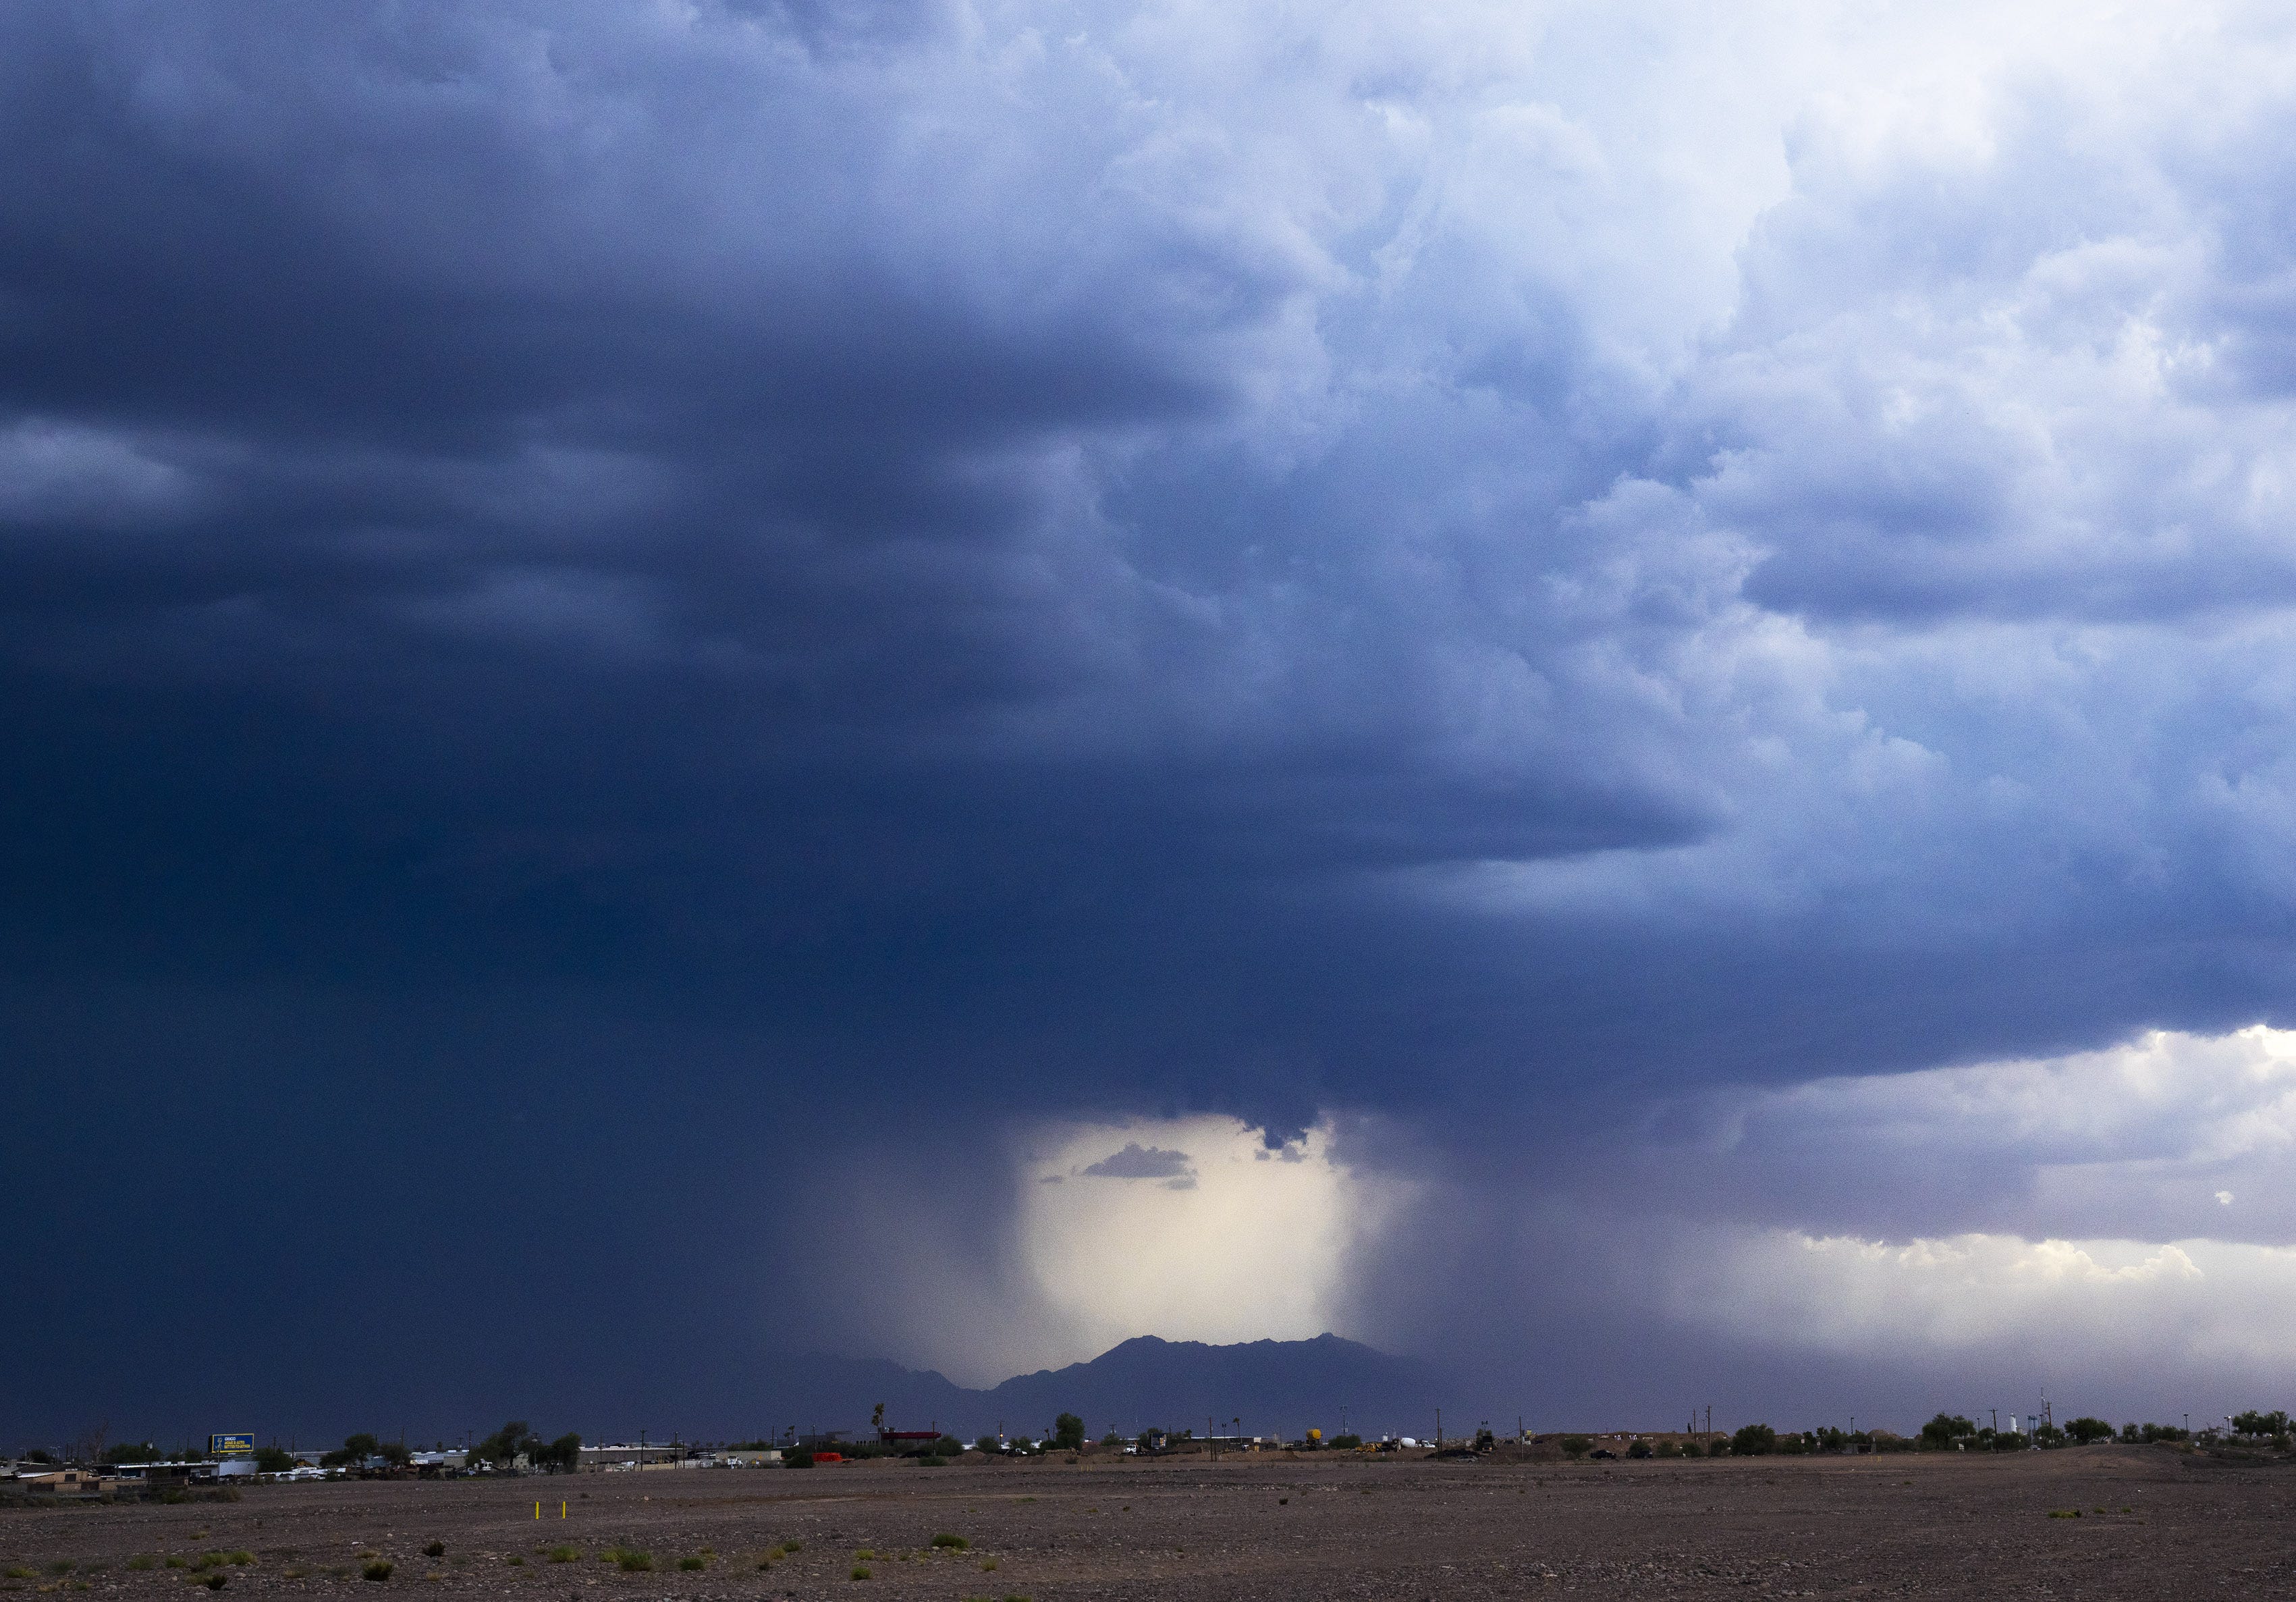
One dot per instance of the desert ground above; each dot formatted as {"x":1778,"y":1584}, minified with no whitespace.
{"x":2154,"y":1522}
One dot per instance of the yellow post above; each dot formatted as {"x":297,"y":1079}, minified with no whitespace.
{"x":561,"y":1510}
{"x":537,"y":1510}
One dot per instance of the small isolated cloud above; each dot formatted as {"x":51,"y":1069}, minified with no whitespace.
{"x":1186,"y":1182}
{"x":2224,"y":1198}
{"x":1138,"y":1161}
{"x":1050,"y":1179}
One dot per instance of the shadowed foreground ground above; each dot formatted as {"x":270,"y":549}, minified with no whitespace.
{"x":2153,"y":1523}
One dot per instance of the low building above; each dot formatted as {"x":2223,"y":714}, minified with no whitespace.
{"x":66,"y":1483}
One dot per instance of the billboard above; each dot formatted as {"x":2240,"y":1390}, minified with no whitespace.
{"x":231,"y":1446}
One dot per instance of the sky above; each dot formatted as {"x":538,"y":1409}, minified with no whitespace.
{"x":1604,"y":690}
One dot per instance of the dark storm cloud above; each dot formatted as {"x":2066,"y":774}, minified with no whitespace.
{"x":807,"y":575}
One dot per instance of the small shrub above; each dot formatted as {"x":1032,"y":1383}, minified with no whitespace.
{"x":142,"y":1561}
{"x":565,"y":1554}
{"x":216,"y":1583}
{"x":2064,"y":1513}
{"x":864,"y":1555}
{"x":955,"y":1543}
{"x":516,"y":1560}
{"x":177,"y":1560}
{"x":17,"y":1571}
{"x":1576,"y":1446}
{"x":989,"y":1565}
{"x":792,"y":1546}
{"x":635,"y":1563}
{"x":437,"y":1548}
{"x":691,"y":1566}
{"x":860,"y":1572}
{"x":378,"y":1571}
{"x":206,"y":1560}
{"x":239,"y":1559}
{"x":1639,"y":1448}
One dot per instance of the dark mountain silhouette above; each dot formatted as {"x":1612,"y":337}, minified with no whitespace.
{"x":1276,"y":1387}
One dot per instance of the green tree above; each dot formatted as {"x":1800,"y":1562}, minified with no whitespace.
{"x":502,"y":1447}
{"x":1754,"y":1439}
{"x":2086,"y":1430}
{"x":1944,"y":1430}
{"x":144,"y":1452}
{"x":355,"y":1450}
{"x":1067,"y":1431}
{"x":274,"y":1460}
{"x":1576,"y":1446}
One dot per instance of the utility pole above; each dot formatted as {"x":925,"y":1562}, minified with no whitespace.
{"x":1438,"y":1428}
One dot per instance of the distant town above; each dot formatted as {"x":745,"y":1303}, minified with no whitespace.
{"x":93,"y":1469}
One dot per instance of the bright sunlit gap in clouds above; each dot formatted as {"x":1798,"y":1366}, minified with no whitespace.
{"x":1192,"y":1229}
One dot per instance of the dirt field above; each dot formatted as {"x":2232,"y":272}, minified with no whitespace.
{"x":2153,"y":1523}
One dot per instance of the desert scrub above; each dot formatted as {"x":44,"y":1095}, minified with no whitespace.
{"x":17,"y":1571}
{"x":692,"y":1566}
{"x":860,"y":1571}
{"x":989,"y":1565}
{"x":239,"y":1559}
{"x":635,"y":1563}
{"x":2064,"y":1513}
{"x":864,"y":1554}
{"x":177,"y":1560}
{"x":437,"y":1548}
{"x":516,"y":1560}
{"x":792,"y":1546}
{"x":955,"y":1543}
{"x":565,"y":1554}
{"x":217,"y":1581}
{"x":143,"y":1562}
{"x":378,"y":1571}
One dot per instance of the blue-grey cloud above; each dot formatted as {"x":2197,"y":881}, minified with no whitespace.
{"x":1138,"y":1161}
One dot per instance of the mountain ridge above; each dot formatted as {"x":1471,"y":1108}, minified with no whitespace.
{"x":1272,"y":1387}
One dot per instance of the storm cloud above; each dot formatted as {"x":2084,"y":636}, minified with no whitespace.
{"x":623,"y":608}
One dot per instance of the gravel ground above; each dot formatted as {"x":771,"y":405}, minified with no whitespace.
{"x":2154,"y":1522}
